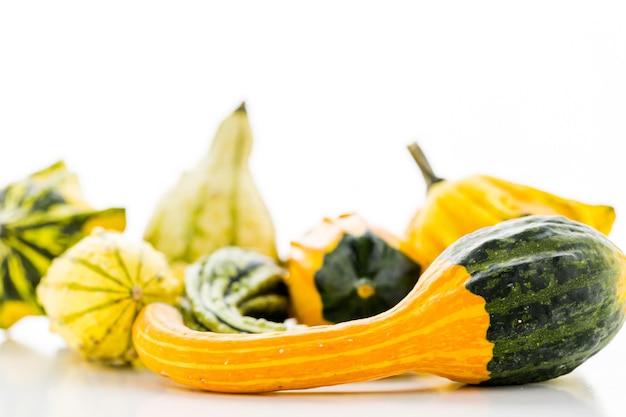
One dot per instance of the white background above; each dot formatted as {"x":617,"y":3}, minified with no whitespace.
{"x":129,"y":95}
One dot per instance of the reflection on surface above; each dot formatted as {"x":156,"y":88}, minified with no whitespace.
{"x":35,"y":382}
{"x":567,"y":396}
{"x":24,"y":375}
{"x":406,"y":395}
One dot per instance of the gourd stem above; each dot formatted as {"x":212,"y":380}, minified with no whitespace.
{"x":424,"y":165}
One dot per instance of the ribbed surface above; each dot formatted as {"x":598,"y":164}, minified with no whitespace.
{"x":456,"y":208}
{"x":92,"y":293}
{"x":365,"y":260}
{"x":235,"y":290}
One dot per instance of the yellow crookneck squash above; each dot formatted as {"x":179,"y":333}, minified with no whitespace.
{"x":346,"y":268}
{"x":454,"y":208}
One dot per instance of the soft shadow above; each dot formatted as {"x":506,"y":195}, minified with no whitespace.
{"x":569,"y":395}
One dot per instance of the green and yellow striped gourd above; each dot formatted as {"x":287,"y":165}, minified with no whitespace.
{"x":40,"y":217}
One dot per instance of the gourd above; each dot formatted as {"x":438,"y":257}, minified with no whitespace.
{"x":216,"y":203}
{"x":93,"y":292}
{"x":454,"y":208}
{"x":236,"y":290}
{"x":41,"y":216}
{"x":526,"y":300}
{"x":344,"y":269}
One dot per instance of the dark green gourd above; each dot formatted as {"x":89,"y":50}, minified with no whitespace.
{"x":553,"y":290}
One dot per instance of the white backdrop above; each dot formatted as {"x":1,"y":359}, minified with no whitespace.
{"x":130,"y":93}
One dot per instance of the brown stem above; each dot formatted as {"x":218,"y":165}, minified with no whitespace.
{"x":424,"y":165}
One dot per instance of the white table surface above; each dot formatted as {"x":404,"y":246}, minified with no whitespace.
{"x":39,"y":377}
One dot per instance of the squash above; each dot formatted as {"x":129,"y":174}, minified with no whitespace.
{"x":346,"y":268}
{"x":454,"y":208}
{"x":93,"y":292}
{"x":216,"y":203}
{"x":236,"y":290}
{"x":524,"y":301}
{"x":40,"y":217}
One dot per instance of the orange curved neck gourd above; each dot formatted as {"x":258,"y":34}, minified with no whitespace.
{"x":438,"y":329}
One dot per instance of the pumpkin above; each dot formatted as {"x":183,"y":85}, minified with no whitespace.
{"x":526,"y":300}
{"x":93,"y":292}
{"x":346,"y":268}
{"x":40,"y":217}
{"x":454,"y":208}
{"x":236,"y":290}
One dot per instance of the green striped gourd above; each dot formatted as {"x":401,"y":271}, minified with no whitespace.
{"x":236,"y":290}
{"x":40,"y":217}
{"x":93,"y":292}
